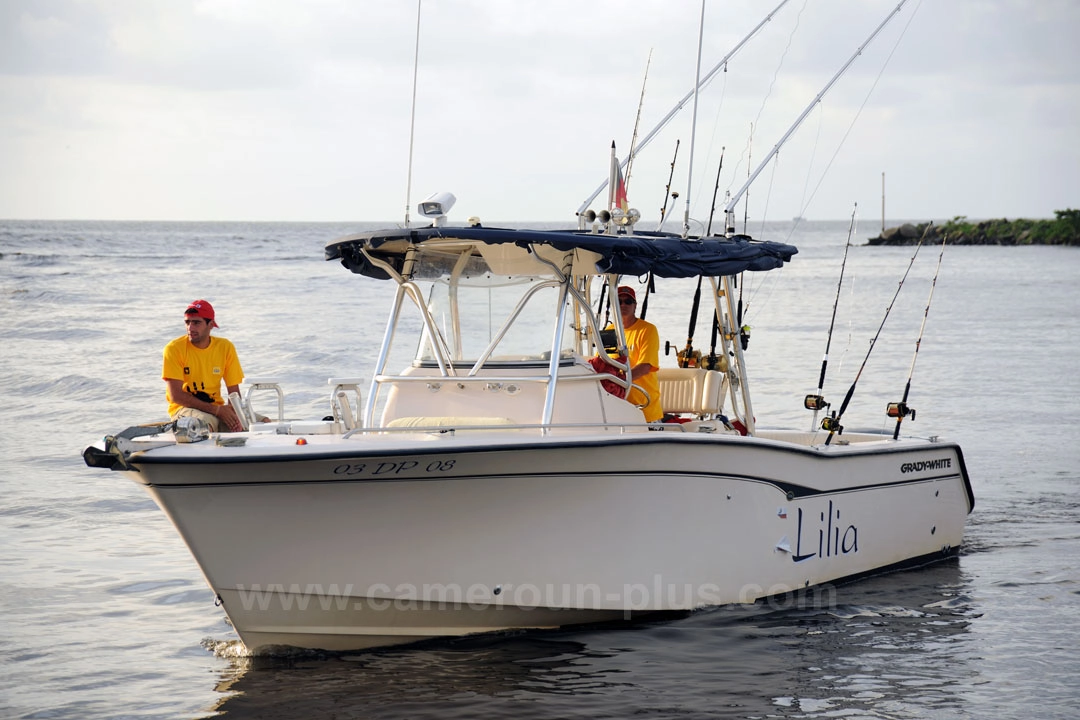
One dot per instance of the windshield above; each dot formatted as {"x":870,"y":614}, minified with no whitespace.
{"x":479,"y":314}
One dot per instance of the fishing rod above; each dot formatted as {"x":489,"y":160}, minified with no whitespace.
{"x":817,"y":402}
{"x":746,"y":205}
{"x":832,"y":422}
{"x":702,"y":83}
{"x":688,"y":358}
{"x":730,"y":209}
{"x":637,"y":120}
{"x":716,"y":189}
{"x":667,"y":190}
{"x":901,"y":410}
{"x":713,"y":361}
{"x":744,"y":330}
{"x":650,"y":288}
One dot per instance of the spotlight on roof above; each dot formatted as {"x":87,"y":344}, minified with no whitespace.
{"x":437,"y":206}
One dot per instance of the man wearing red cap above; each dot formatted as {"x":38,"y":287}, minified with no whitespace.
{"x":194,"y":367}
{"x":643,"y":344}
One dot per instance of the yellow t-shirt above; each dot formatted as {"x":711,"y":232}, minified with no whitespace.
{"x":643,"y":343}
{"x":201,"y":370}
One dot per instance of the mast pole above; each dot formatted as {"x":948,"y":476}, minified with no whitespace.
{"x":776,"y":149}
{"x":412,"y":116}
{"x":612,"y":171}
{"x":882,"y":203}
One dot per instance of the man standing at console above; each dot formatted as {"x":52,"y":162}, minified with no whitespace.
{"x":195,"y":365}
{"x":643,"y":344}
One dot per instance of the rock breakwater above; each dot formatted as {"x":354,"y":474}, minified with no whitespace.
{"x":1064,"y":229}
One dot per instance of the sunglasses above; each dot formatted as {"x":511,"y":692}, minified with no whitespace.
{"x":627,"y":301}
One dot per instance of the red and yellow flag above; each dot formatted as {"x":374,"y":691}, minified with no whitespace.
{"x":620,"y":200}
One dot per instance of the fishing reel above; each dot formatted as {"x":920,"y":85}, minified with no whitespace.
{"x":899,"y":410}
{"x":744,"y":336}
{"x":712,"y":361}
{"x":815,"y":403}
{"x":690,"y":359}
{"x":831,"y":424}
{"x":685,"y":358}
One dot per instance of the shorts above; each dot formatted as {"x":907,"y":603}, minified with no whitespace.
{"x":212,"y":420}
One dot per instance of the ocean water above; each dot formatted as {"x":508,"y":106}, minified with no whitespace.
{"x":105,"y":614}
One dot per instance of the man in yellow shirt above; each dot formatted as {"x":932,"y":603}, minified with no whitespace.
{"x":643,"y":344}
{"x":194,"y":367}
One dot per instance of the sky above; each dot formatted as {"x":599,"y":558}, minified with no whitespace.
{"x":283,"y":110}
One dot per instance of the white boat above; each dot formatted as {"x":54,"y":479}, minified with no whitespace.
{"x":494,"y":483}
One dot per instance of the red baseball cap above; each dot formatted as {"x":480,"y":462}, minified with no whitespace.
{"x":626,"y":290}
{"x":203,"y":309}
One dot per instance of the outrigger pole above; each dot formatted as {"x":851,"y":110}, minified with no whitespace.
{"x":817,"y":402}
{"x":901,"y":410}
{"x":679,"y":105}
{"x":832,"y":423}
{"x":729,"y":211}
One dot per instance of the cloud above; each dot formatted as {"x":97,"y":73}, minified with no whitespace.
{"x":210,"y":109}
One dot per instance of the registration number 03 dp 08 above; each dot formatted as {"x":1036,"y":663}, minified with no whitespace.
{"x":391,"y":468}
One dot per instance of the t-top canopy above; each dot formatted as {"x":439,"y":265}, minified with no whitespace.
{"x":663,"y":254}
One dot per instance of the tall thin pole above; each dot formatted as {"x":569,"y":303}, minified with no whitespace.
{"x":882,"y":203}
{"x":613,"y":169}
{"x":412,"y":117}
{"x":693,"y":123}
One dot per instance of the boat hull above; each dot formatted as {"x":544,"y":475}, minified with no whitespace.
{"x":361,"y":544}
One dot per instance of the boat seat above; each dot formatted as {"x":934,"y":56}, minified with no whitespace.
{"x":691,"y":391}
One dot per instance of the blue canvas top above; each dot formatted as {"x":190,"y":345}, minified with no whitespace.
{"x":663,"y":254}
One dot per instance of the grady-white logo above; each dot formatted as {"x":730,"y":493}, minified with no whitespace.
{"x":939,"y":464}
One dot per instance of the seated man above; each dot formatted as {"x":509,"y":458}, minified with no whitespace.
{"x":643,"y":344}
{"x":194,"y":367}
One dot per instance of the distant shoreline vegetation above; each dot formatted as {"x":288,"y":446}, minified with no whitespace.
{"x":1064,"y":229}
